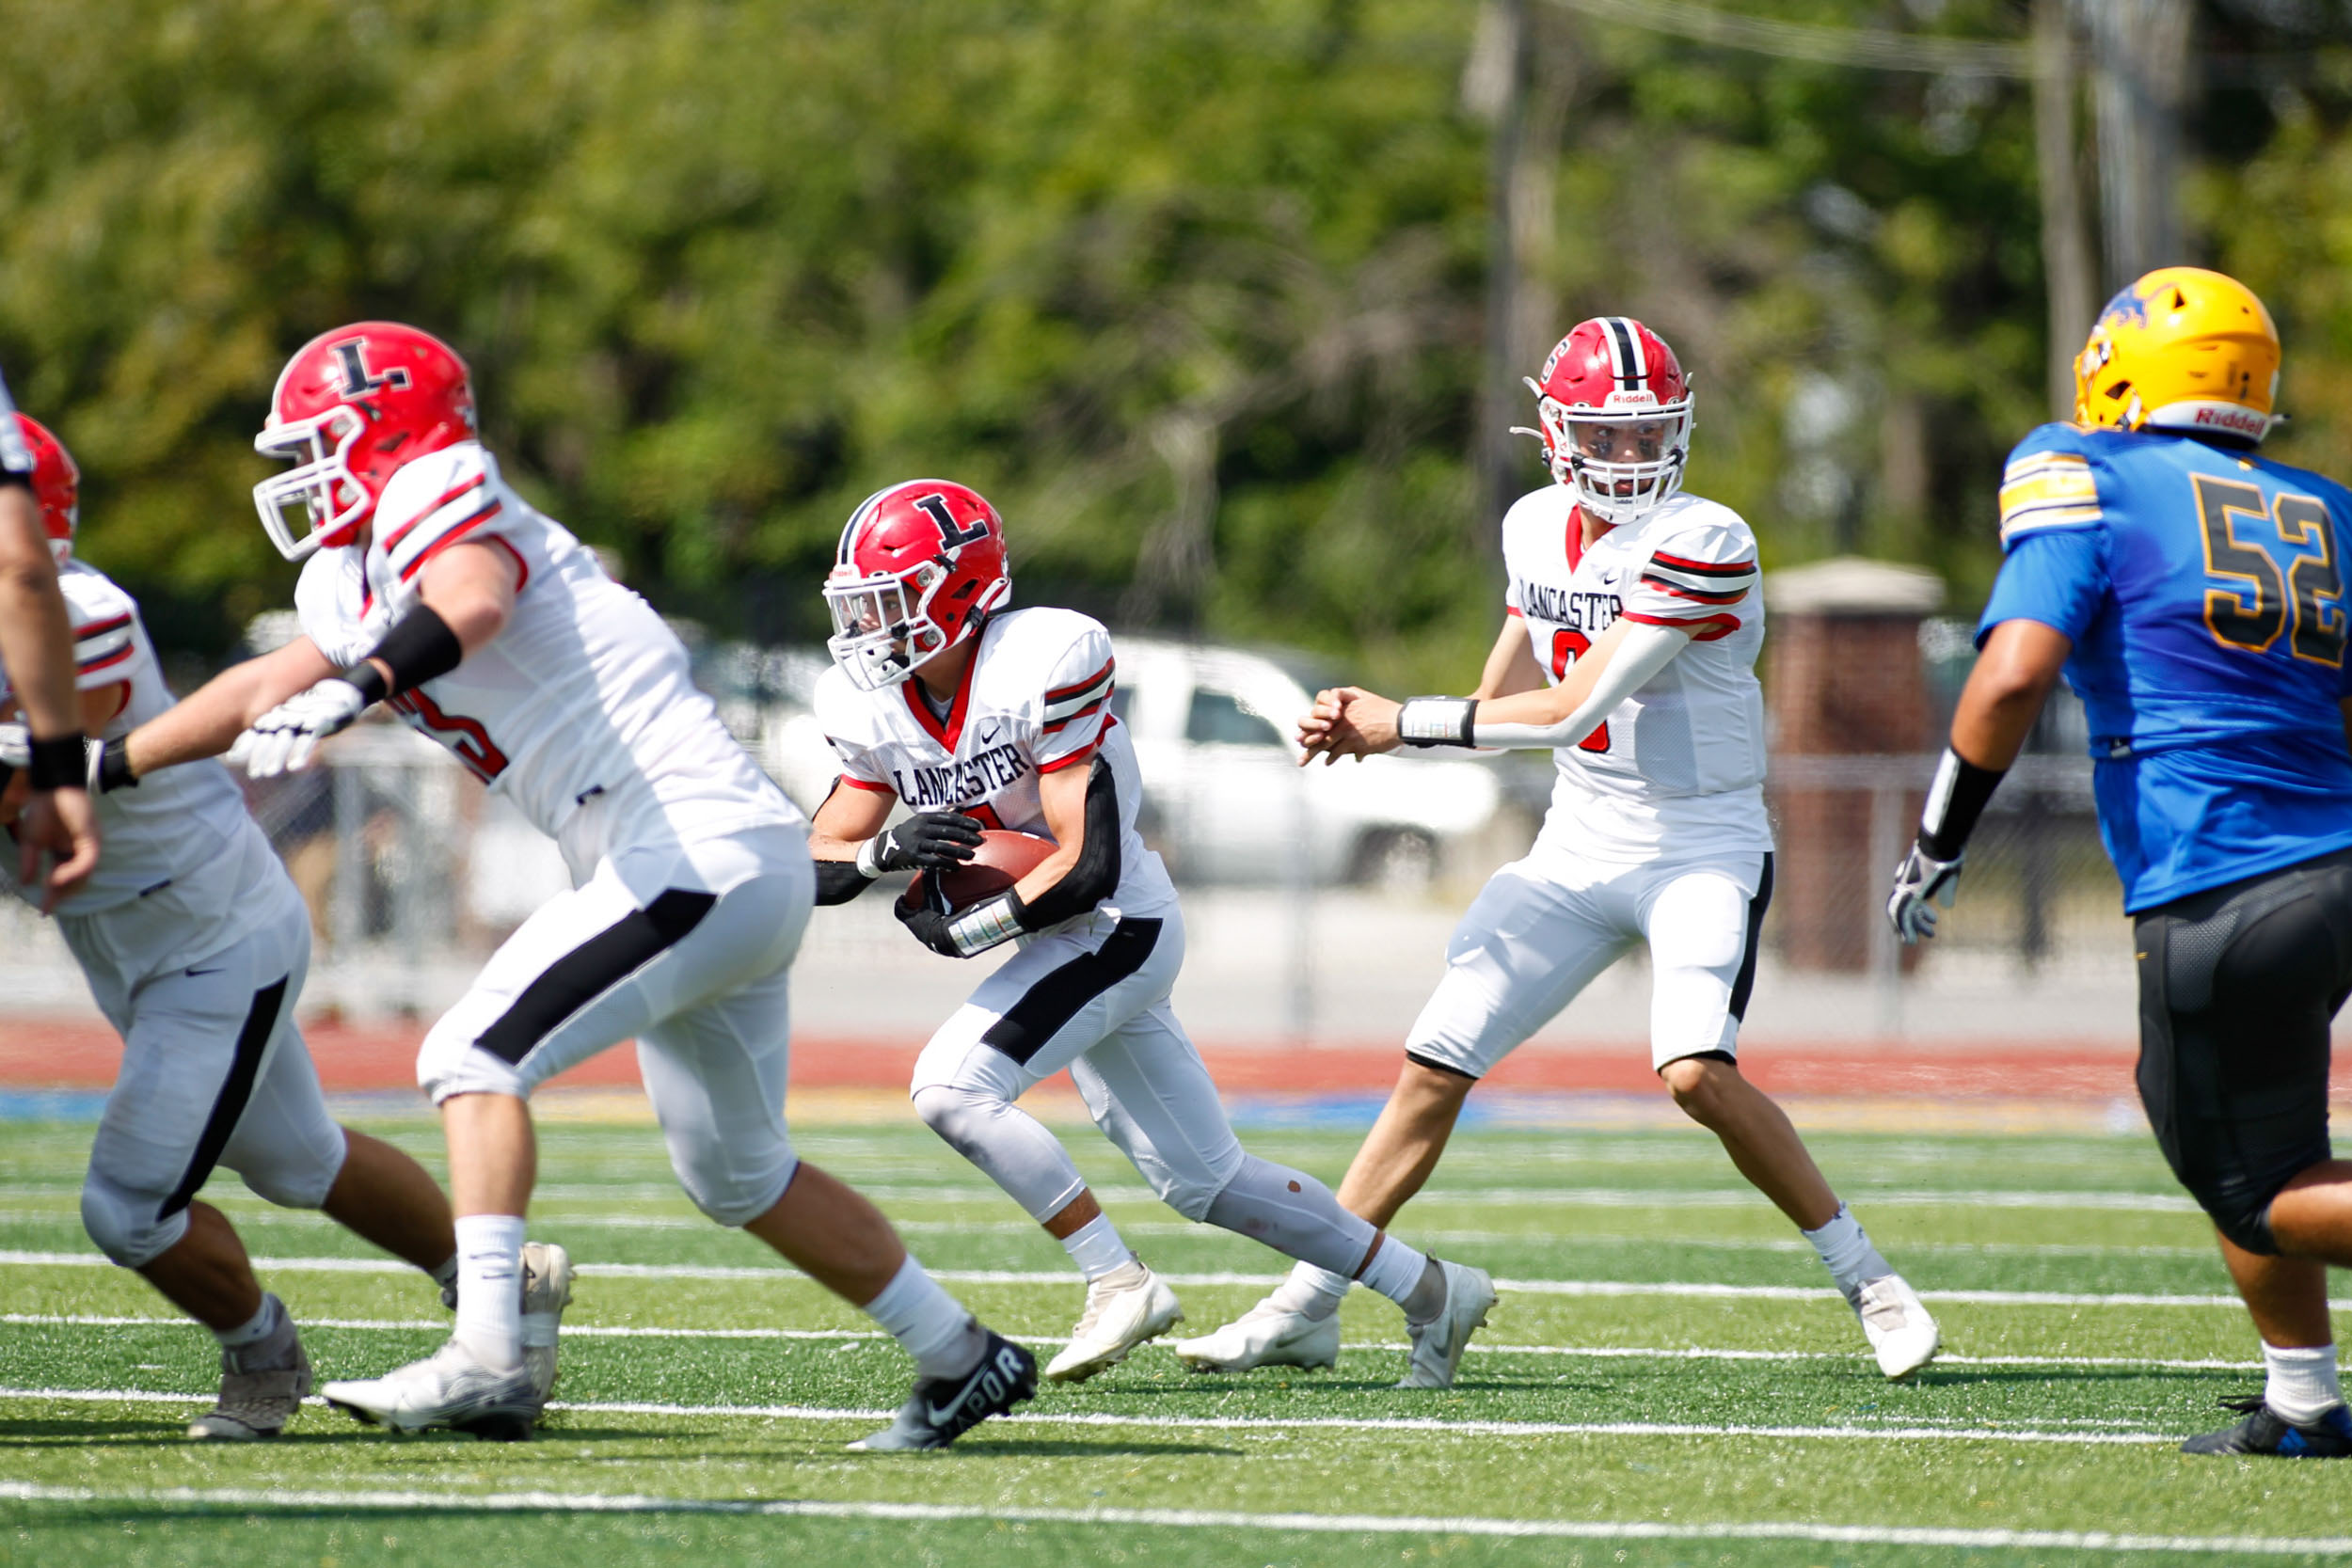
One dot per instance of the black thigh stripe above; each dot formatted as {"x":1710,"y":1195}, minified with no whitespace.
{"x":1756,"y":906}
{"x":1049,"y":1005}
{"x":261,"y":1022}
{"x":595,"y":967}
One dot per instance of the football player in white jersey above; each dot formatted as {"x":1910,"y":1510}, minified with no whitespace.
{"x":195,"y":944}
{"x":430,"y":585}
{"x":1641,"y":605}
{"x":979,"y":716}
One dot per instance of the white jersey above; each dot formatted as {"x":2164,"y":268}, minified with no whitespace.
{"x":584,"y":692}
{"x":1035,"y":700}
{"x":1679,"y":767}
{"x":183,"y":862}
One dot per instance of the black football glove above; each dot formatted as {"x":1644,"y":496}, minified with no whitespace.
{"x":988,"y":923}
{"x":924,"y":842}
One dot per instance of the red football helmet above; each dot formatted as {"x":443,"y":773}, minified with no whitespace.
{"x":350,"y":408}
{"x":920,"y":567}
{"x":56,"y":485}
{"x":1616,"y":409}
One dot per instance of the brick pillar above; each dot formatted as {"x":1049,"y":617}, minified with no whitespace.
{"x":1842,"y":678}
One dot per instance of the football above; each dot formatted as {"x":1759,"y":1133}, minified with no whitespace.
{"x":1003,"y":859}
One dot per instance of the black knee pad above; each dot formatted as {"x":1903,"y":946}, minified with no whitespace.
{"x":2237,"y":987}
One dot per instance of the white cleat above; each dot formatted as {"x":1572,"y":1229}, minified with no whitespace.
{"x":1266,"y":1336}
{"x":1438,"y":1344}
{"x":1901,"y":1334}
{"x":262,"y":1386}
{"x":449,"y":1389}
{"x":547,"y":1290}
{"x":1118,"y":1318}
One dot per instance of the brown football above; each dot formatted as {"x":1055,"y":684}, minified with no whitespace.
{"x":1003,"y":859}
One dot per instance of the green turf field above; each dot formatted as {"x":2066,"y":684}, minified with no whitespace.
{"x":1667,"y":1381}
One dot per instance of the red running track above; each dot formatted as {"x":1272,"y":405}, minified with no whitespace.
{"x":73,"y":1053}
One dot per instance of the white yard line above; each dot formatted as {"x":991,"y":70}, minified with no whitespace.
{"x":1428,"y":1425}
{"x":1594,"y":1197}
{"x":1047,"y":1276}
{"x":838,"y":1335}
{"x":1177,"y":1518}
{"x":256,"y":1213}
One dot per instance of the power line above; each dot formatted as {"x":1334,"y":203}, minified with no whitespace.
{"x":1874,"y":48}
{"x":1881,"y":49}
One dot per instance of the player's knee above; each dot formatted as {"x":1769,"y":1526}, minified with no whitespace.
{"x":124,"y":1225}
{"x":450,"y":1063}
{"x":1191,"y":1193}
{"x":960,"y":1115}
{"x":1699,"y":1084}
{"x":730,"y":1187}
{"x":293,"y":1183}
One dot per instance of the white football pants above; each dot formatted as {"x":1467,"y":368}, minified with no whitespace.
{"x":1093,"y":998}
{"x":214,"y":1073}
{"x":685,"y":947}
{"x":1544,"y":926}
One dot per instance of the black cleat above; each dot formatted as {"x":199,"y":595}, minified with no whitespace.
{"x":942,"y":1409}
{"x":2264,"y":1431}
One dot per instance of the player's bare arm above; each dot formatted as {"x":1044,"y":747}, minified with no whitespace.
{"x":1510,"y":669}
{"x":2012,"y":678}
{"x":208,"y":721}
{"x":99,"y":706}
{"x":466,"y":595}
{"x":1625,"y":656}
{"x":1062,"y":796}
{"x":845,"y":821}
{"x":37,"y":649}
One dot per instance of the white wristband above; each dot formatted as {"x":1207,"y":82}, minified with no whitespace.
{"x":869,"y":861}
{"x":984,"y":925}
{"x":1436,"y":721}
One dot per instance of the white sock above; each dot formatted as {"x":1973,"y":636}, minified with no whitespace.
{"x":490,"y":1287}
{"x":1096,"y":1247}
{"x":930,"y":1325}
{"x":1313,"y":1293}
{"x":1396,"y":1272}
{"x":1846,"y":1248}
{"x":2302,"y":1384}
{"x":272,"y":1312}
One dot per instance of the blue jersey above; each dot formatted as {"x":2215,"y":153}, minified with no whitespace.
{"x":2204,"y":593}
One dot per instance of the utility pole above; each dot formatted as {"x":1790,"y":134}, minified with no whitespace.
{"x":1496,"y":87}
{"x":2066,"y":263}
{"x":2140,"y":53}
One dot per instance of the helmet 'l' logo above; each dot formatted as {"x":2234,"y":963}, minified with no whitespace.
{"x":358,"y":382}
{"x":952,"y":535}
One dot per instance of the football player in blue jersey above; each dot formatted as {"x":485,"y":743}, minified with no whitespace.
{"x":2193,"y":594}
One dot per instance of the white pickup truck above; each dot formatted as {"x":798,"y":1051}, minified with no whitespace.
{"x":1223,"y":797}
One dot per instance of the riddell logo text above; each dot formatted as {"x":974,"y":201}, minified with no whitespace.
{"x":958,"y":783}
{"x":2241,"y":419}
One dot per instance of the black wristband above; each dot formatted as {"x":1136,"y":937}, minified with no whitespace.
{"x":112,"y":772}
{"x":59,"y":761}
{"x":418,"y":647}
{"x":368,"y":679}
{"x":1955,"y":801}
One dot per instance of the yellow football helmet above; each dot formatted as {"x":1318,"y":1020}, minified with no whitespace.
{"x":2183,"y":350}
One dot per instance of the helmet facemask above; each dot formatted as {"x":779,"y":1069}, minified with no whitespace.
{"x":1623,"y":464}
{"x":332,"y":498}
{"x":883,"y":625}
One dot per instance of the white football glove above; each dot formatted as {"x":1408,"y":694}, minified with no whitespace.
{"x":282,"y":739}
{"x":1922,"y":882}
{"x":16,"y":745}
